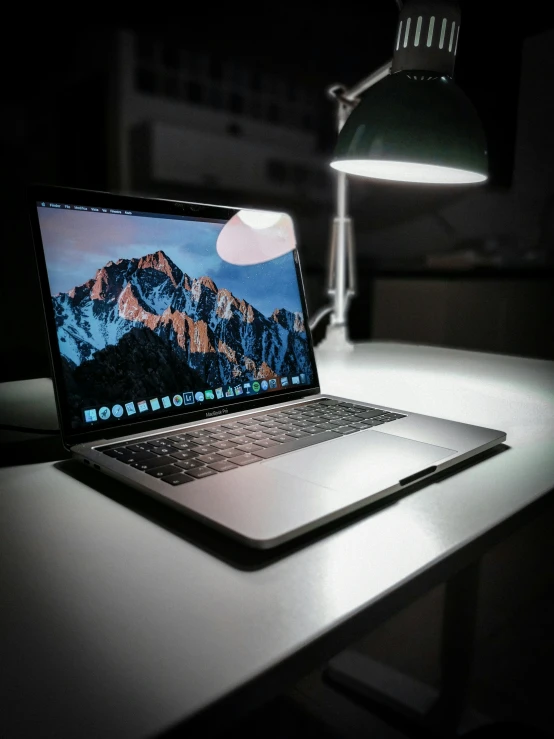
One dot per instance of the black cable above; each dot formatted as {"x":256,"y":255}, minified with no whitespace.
{"x":27,"y":429}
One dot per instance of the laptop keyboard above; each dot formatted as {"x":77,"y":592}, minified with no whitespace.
{"x":225,"y":445}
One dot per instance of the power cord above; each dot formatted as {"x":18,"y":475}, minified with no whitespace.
{"x":27,"y":429}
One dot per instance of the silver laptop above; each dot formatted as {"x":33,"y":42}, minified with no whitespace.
{"x":184,"y":367}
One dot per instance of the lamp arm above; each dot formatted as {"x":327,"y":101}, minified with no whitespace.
{"x":352,"y":95}
{"x":341,"y":274}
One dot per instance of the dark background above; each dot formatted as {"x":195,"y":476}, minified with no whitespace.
{"x":455,"y":267}
{"x":59,"y":91}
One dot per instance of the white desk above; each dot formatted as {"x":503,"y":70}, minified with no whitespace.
{"x":119,"y":621}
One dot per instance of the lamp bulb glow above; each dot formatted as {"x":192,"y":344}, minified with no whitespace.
{"x":408,"y":172}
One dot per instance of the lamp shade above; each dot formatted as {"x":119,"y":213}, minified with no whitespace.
{"x":414,"y":127}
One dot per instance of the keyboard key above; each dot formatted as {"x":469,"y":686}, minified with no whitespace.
{"x":149,"y":464}
{"x":297,"y":434}
{"x":187,"y":464}
{"x":258,"y":435}
{"x":266,"y":442}
{"x":210,"y":458}
{"x":178,"y":479}
{"x":221,"y":445}
{"x":190,"y":439}
{"x":245,"y":459}
{"x":167,"y":469}
{"x":138,"y":457}
{"x":238,"y":430}
{"x":240,"y":440}
{"x":221,"y":436}
{"x":184,"y":454}
{"x":202,"y":449}
{"x":293,"y":444}
{"x":139,"y":448}
{"x":228,"y":452}
{"x":363,"y":414}
{"x":280,"y":438}
{"x":114,"y":453}
{"x":164,"y":449}
{"x":159,"y":442}
{"x":249,"y":447}
{"x":200,"y":472}
{"x":223,"y":466}
{"x":328,"y":426}
{"x":182,"y":445}
{"x":344,"y":430}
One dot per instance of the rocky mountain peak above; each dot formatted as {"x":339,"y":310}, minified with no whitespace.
{"x":288,"y":320}
{"x":162,"y":263}
{"x":207,"y":282}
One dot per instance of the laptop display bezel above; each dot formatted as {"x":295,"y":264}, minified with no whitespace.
{"x":118,"y":201}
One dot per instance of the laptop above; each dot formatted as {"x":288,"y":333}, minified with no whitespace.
{"x":184,"y":367}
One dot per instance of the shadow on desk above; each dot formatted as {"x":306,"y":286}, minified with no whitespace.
{"x":224,"y":548}
{"x":32,"y":451}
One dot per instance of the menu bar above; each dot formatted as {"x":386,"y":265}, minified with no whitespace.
{"x":92,"y":209}
{"x":116,"y":212}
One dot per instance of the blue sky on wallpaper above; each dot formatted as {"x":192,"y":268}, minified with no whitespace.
{"x":77,"y":243}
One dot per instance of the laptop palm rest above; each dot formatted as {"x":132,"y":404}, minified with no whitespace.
{"x":265,"y":503}
{"x":361,"y":463}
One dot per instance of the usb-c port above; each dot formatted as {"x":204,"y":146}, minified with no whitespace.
{"x":96,"y":466}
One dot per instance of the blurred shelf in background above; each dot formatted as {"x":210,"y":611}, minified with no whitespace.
{"x":501,"y":311}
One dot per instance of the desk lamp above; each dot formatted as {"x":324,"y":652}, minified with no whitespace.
{"x":415,"y":126}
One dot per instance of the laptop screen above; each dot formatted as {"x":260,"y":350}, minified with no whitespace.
{"x":157,"y":314}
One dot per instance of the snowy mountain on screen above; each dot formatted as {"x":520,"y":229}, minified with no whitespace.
{"x":221,"y":338}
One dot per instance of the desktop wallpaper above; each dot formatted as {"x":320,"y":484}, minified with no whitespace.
{"x":146,"y":306}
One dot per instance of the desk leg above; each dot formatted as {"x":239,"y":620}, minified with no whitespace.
{"x":443,"y":710}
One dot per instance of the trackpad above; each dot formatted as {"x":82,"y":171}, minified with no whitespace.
{"x":361,"y":461}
